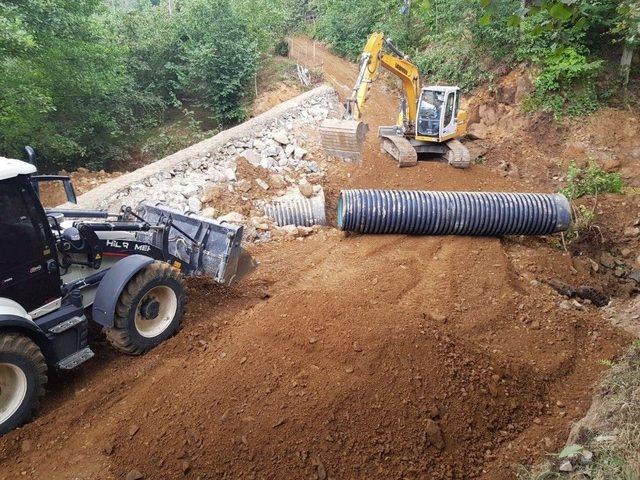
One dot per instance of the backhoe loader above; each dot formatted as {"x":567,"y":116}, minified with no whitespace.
{"x":430,"y":119}
{"x":61,"y":269}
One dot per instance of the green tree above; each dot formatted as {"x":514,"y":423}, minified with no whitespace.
{"x":63,"y":83}
{"x":218,"y":58}
{"x":627,"y":26}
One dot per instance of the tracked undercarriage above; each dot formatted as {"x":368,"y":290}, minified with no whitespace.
{"x":405,"y":151}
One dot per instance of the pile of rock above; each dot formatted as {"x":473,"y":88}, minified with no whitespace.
{"x":281,"y":149}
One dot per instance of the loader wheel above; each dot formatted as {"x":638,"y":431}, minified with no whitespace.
{"x":23,"y":375}
{"x":149,"y":310}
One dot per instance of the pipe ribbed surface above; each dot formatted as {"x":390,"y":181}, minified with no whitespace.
{"x":452,"y":213}
{"x":301,"y":212}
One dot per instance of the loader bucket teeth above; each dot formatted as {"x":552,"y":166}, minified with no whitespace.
{"x":215,"y":252}
{"x":343,"y":138}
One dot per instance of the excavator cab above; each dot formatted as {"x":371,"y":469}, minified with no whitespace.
{"x":429,"y":113}
{"x":438,"y":109}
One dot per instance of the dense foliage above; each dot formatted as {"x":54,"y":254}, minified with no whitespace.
{"x":83,"y":81}
{"x":591,"y":180}
{"x":572,"y":44}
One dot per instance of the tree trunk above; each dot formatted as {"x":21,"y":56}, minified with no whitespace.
{"x":625,"y":62}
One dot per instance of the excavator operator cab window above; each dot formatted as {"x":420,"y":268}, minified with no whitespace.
{"x":429,"y":113}
{"x":448,"y":116}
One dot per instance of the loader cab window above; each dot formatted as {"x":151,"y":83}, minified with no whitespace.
{"x":22,"y":237}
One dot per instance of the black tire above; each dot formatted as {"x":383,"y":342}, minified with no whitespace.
{"x":19,"y":354}
{"x":128,"y":334}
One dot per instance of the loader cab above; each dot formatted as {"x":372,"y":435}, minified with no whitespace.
{"x":29,"y":271}
{"x":437,"y":113}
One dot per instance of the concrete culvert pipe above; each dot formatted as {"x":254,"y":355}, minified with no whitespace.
{"x":452,"y":213}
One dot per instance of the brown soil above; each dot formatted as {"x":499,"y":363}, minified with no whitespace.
{"x":52,"y":194}
{"x":344,"y":357}
{"x":275,"y":95}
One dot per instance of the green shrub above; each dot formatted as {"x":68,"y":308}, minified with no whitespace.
{"x":281,"y":48}
{"x":566,"y":84}
{"x":590,"y":181}
{"x":454,"y":64}
{"x":564,"y":67}
{"x":218,"y":59}
{"x":347,"y":24}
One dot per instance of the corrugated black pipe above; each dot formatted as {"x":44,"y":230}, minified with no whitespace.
{"x":452,"y":213}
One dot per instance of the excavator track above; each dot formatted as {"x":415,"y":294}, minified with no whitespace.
{"x":399,"y":148}
{"x":458,"y":155}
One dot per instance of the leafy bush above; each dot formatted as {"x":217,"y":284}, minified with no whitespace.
{"x":565,"y":86}
{"x":281,"y":48}
{"x":218,"y":58}
{"x":446,"y":39}
{"x":455,"y":64}
{"x":64,"y":85}
{"x":563,"y":67}
{"x":82,"y":83}
{"x":590,"y":181}
{"x":346,"y":24}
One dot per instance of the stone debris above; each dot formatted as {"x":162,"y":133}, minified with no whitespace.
{"x":232,"y":217}
{"x":262,"y":184}
{"x":281,"y":148}
{"x":566,"y":466}
{"x":306,"y":189}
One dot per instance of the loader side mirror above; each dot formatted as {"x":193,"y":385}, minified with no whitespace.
{"x":49,"y":191}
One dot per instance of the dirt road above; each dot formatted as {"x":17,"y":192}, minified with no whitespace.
{"x":341,"y":357}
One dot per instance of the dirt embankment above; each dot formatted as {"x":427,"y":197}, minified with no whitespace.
{"x":344,"y":357}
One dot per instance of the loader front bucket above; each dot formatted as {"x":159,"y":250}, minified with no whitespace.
{"x":201,"y":245}
{"x":343,"y":138}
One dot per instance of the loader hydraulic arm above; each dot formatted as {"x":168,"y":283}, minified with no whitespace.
{"x":395,"y":62}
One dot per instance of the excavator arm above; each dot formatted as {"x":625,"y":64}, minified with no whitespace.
{"x":396,"y":62}
{"x":344,"y":138}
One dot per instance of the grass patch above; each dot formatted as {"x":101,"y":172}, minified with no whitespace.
{"x":181,"y":130}
{"x":610,"y":451}
{"x":582,"y":223}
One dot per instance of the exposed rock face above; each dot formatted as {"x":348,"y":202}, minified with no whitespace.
{"x":477,"y":131}
{"x":488,"y":115}
{"x":524,"y":87}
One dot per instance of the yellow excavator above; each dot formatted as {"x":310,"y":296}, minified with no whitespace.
{"x":430,"y":119}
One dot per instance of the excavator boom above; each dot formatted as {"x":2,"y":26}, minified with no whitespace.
{"x":345,"y":138}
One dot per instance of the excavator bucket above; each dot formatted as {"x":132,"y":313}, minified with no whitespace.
{"x":343,"y":138}
{"x":203,"y":246}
